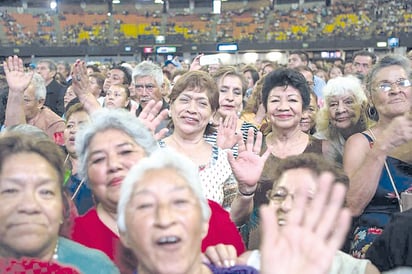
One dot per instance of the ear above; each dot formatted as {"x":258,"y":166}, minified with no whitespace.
{"x":124,"y":239}
{"x":127,"y":102}
{"x":40,"y":103}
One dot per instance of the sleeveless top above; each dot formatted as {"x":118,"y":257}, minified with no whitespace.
{"x":384,"y":202}
{"x":250,"y":231}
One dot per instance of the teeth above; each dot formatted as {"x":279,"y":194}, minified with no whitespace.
{"x":168,"y":240}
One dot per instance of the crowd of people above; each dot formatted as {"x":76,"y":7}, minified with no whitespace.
{"x":252,"y":168}
{"x":372,"y":18}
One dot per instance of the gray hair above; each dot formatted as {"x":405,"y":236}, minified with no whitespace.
{"x":105,"y":119}
{"x":387,"y":61}
{"x":161,"y":159}
{"x":150,"y":69}
{"x":343,"y":85}
{"x":39,"y":86}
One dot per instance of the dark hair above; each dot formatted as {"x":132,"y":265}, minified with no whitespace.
{"x":253,"y":72}
{"x":285,"y":77}
{"x":93,"y":67}
{"x":127,"y":79}
{"x":302,"y":55}
{"x":12,"y":143}
{"x":365,"y":53}
{"x":204,"y":82}
{"x":315,"y":162}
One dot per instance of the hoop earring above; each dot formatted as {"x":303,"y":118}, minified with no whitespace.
{"x":372,"y":113}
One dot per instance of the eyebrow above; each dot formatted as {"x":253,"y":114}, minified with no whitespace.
{"x":175,"y":189}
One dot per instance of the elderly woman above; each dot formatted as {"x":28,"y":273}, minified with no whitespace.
{"x":285,"y":96}
{"x":379,"y":160}
{"x":80,"y":193}
{"x":31,"y":192}
{"x":107,"y":148}
{"x":232,"y":86}
{"x":163,"y":215}
{"x":343,"y":114}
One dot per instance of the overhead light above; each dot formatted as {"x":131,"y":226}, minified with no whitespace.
{"x":53,"y":5}
{"x":116,"y":1}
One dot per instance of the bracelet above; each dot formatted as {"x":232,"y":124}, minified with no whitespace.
{"x":246,"y":194}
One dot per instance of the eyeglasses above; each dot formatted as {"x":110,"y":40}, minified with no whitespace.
{"x":278,"y":195}
{"x":142,"y":87}
{"x":388,"y":86}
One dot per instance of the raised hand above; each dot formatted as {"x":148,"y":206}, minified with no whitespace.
{"x":17,"y":78}
{"x":195,"y":65}
{"x":151,"y":118}
{"x":226,"y":132}
{"x":313,"y":233}
{"x":80,"y":80}
{"x":248,"y":166}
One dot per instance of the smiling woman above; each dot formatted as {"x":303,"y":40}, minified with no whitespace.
{"x":343,"y":114}
{"x":31,"y":176}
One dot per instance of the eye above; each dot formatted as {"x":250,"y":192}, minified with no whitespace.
{"x":333,"y":104}
{"x":9,"y":191}
{"x":237,"y":92}
{"x":223,"y":90}
{"x":180,"y":202}
{"x":143,"y":206}
{"x":97,"y":160}
{"x":126,"y":151}
{"x":47,"y":193}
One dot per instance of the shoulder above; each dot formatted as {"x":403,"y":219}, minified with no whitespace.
{"x":87,"y":260}
{"x":358,"y":141}
{"x":344,"y":263}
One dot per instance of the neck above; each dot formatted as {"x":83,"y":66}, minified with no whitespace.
{"x":196,"y":268}
{"x":180,"y":140}
{"x":285,"y":135}
{"x":108,"y":217}
{"x":48,"y":254}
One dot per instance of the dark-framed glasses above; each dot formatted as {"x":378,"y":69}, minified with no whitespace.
{"x":388,"y":86}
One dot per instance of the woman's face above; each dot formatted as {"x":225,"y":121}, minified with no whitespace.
{"x":335,"y":72}
{"x":116,"y":97}
{"x":164,"y":223}
{"x":398,"y":100}
{"x":69,"y":95}
{"x":191,"y":112}
{"x":293,"y":181}
{"x":75,"y":120}
{"x":230,"y":95}
{"x":113,"y":77}
{"x":111,"y":154}
{"x":249,"y":78}
{"x":94,"y":88}
{"x":344,"y":111}
{"x":31,"y":207}
{"x":284,"y":107}
{"x":308,"y":120}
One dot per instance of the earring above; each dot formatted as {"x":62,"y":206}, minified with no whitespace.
{"x":372,"y":113}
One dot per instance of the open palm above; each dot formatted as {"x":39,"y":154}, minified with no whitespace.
{"x":17,"y":78}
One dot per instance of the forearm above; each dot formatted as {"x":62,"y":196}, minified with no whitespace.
{"x":365,"y":180}
{"x":89,"y":102}
{"x":241,"y":208}
{"x":14,"y":109}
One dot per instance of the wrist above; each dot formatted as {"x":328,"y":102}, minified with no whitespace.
{"x":246,"y":194}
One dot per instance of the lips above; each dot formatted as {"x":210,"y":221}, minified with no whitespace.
{"x":169,"y":242}
{"x":116,"y":181}
{"x":342,"y":119}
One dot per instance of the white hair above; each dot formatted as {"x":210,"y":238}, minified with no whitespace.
{"x":39,"y":85}
{"x":161,"y":159}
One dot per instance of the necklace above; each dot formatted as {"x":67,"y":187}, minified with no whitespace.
{"x":55,"y":256}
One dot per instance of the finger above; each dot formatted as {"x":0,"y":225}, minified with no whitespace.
{"x":297,"y":212}
{"x":20,"y":66}
{"x":331,"y":211}
{"x":258,"y":142}
{"x":320,"y":199}
{"x":15,"y":62}
{"x":250,"y":140}
{"x":161,"y":134}
{"x":157,"y":119}
{"x":342,"y":225}
{"x":269,"y":226}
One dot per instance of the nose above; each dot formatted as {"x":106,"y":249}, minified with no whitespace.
{"x":113,"y":162}
{"x":283,"y":105}
{"x":341,"y":107}
{"x":286,"y":204}
{"x":29,"y":203}
{"x":164,"y":215}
